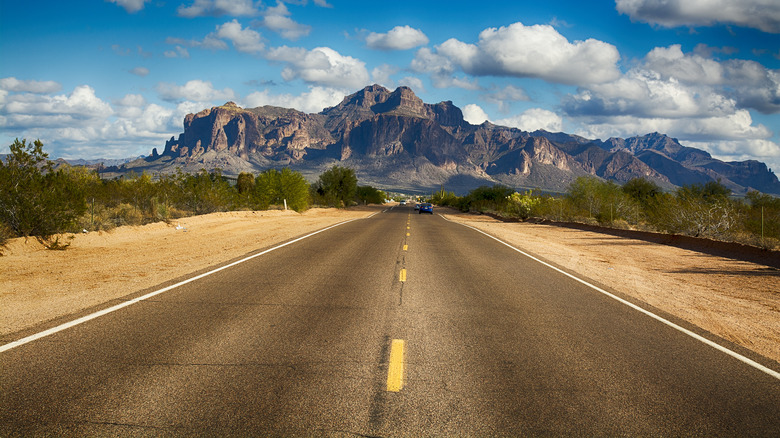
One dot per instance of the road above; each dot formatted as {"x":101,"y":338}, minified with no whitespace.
{"x":395,"y":325}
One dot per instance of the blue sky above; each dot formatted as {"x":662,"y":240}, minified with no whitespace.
{"x":113,"y":79}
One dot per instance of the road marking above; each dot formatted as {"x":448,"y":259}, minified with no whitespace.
{"x":407,"y":234}
{"x":395,"y":372}
{"x":406,"y":247}
{"x":660,"y":319}
{"x":106,"y":311}
{"x":402,"y":275}
{"x":408,"y":228}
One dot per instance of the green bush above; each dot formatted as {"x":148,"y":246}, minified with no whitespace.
{"x":335,"y":187}
{"x":35,"y":199}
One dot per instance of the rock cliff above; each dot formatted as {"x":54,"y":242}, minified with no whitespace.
{"x":393,"y":139}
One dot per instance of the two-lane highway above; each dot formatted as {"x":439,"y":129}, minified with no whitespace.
{"x":395,"y":325}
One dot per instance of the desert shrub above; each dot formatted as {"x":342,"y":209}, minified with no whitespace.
{"x":369,"y":195}
{"x":762,"y":216}
{"x":696,"y":210}
{"x":35,"y":199}
{"x":274,"y":187}
{"x":524,"y":205}
{"x":125,"y":214}
{"x":604,"y":201}
{"x":445,"y":199}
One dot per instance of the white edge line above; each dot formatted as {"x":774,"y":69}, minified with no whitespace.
{"x":700,"y":338}
{"x":108,"y":310}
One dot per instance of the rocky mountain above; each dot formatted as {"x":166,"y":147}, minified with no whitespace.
{"x":394,"y":140}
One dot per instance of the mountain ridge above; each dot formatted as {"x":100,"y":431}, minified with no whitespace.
{"x":394,"y":139}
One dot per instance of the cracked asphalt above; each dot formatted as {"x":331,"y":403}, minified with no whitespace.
{"x":297,"y":342}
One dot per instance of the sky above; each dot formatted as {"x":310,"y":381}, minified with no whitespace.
{"x":115,"y":78}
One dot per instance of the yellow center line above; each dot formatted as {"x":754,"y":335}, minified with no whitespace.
{"x":408,"y":228}
{"x":402,"y":276}
{"x":407,"y":234}
{"x":395,"y":372}
{"x":406,"y":247}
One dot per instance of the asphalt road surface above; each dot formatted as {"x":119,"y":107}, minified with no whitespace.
{"x":396,"y":325}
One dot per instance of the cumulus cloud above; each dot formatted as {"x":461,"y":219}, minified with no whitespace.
{"x":140,"y":71}
{"x":414,"y":83}
{"x":130,"y":6}
{"x":320,"y":66}
{"x":194,"y":90}
{"x":278,"y":20}
{"x":442,"y":70}
{"x":381,"y":75}
{"x":81,"y":103}
{"x":534,"y":119}
{"x":517,"y":50}
{"x":244,"y":40}
{"x":177,"y":52}
{"x":474,"y":114}
{"x":758,"y":14}
{"x":503,"y":96}
{"x":235,"y":8}
{"x":80,"y":124}
{"x":29,"y":86}
{"x":645,"y":93}
{"x":313,"y":101}
{"x":398,"y":38}
{"x":690,"y":96}
{"x":749,"y":83}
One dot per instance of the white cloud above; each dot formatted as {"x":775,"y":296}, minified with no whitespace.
{"x":502,"y":97}
{"x":244,"y":40}
{"x":516,"y":50}
{"x":441,"y":69}
{"x":80,"y":104}
{"x":29,"y":86}
{"x":758,"y":14}
{"x":474,"y":114}
{"x":140,"y":71}
{"x":534,"y":119}
{"x":398,"y":38}
{"x":644,"y":93}
{"x":178,"y":52}
{"x":321,"y":66}
{"x":414,"y":83}
{"x":278,"y":20}
{"x":235,"y":8}
{"x":130,"y":6}
{"x":381,"y":75}
{"x":194,"y":90}
{"x":313,"y":101}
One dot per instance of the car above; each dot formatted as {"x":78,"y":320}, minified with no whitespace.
{"x":426,"y":208}
{"x":403,"y":202}
{"x":417,"y":207}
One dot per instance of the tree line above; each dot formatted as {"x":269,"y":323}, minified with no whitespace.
{"x":39,"y":200}
{"x":699,"y":210}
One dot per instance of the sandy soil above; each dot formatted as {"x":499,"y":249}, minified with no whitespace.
{"x":37,"y":285}
{"x":736,"y":300}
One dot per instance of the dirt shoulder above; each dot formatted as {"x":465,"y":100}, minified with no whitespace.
{"x":38,"y":285}
{"x":737,"y":300}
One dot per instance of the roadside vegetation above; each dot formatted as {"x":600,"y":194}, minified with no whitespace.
{"x":37,"y":200}
{"x":698,"y":210}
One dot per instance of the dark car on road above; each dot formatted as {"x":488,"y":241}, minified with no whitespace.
{"x":426,"y":208}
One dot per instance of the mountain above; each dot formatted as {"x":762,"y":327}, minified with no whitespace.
{"x":395,"y":140}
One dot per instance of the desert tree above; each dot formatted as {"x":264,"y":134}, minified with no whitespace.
{"x":336,"y":187}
